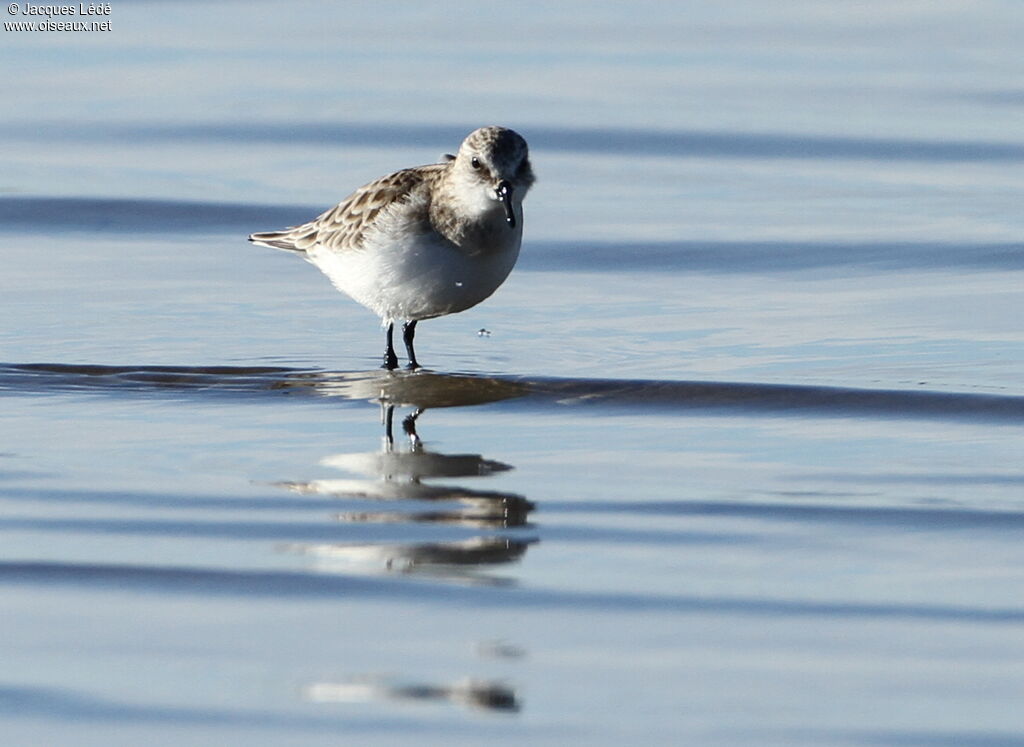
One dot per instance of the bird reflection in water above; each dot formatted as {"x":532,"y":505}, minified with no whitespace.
{"x":486,"y":695}
{"x":402,"y":473}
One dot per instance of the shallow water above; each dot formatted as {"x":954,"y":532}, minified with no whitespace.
{"x":732,"y":458}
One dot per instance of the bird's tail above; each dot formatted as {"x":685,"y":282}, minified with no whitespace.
{"x":294,"y":239}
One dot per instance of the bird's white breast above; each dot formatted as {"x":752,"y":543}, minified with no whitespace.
{"x":405,"y":270}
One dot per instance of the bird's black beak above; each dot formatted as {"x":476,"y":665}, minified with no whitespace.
{"x":504,"y":193}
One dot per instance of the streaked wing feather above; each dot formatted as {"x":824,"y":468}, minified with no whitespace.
{"x":343,"y":227}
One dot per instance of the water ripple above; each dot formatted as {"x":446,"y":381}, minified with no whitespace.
{"x":607,"y":140}
{"x":431,"y":390}
{"x":291,"y":584}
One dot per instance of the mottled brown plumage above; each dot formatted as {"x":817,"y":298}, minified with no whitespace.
{"x":343,"y":226}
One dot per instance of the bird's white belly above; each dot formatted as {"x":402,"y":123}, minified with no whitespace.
{"x":418,"y":276}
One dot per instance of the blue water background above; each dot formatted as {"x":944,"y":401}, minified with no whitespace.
{"x":732,"y":458}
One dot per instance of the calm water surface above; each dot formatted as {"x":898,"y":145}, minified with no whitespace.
{"x":733,"y":458}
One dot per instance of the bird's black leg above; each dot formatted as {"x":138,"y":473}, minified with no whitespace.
{"x":387,"y":417}
{"x":390,"y":359}
{"x":408,"y":332}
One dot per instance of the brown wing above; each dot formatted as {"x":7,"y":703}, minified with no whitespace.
{"x":343,"y":226}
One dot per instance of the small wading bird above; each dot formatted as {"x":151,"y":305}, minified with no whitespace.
{"x":426,"y":241}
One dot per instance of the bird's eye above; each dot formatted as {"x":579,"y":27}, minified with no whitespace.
{"x":475,"y":162}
